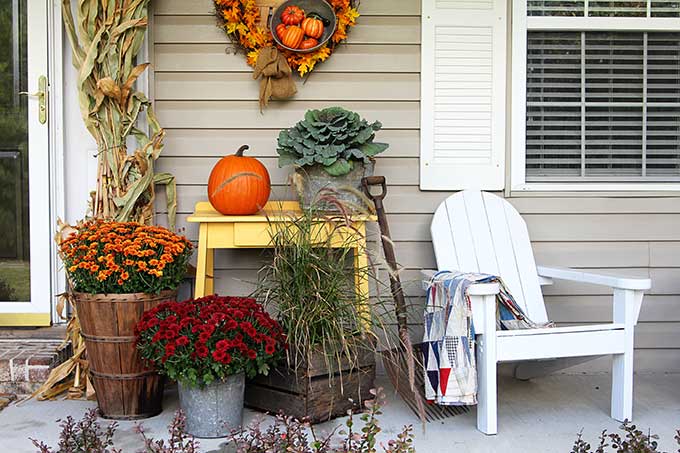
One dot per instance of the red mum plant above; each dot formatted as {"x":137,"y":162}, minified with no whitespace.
{"x":202,"y":340}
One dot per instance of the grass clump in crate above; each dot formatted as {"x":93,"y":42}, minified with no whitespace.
{"x":331,"y":331}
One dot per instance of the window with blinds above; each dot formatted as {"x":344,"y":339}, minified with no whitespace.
{"x":602,"y":105}
{"x":600,"y":8}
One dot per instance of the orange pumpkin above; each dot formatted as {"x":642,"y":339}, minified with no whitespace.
{"x":309,"y":43}
{"x":313,"y":27}
{"x":292,"y":15}
{"x":281,"y":30}
{"x":292,"y":38}
{"x":239,"y":185}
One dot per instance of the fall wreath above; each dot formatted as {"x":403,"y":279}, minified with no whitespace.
{"x":242,"y":21}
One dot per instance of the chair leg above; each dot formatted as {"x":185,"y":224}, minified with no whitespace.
{"x":486,"y":369}
{"x":626,"y":308}
{"x":487,"y":390}
{"x":622,"y":386}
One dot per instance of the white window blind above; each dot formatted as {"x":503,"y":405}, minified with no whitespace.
{"x":602,"y":106}
{"x":604,"y":8}
{"x":463,"y":77}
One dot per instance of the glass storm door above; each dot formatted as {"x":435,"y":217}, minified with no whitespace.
{"x":25,"y":288}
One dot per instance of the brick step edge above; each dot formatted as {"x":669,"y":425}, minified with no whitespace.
{"x":25,"y":364}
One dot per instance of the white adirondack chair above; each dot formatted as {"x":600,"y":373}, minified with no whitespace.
{"x":474,"y":231}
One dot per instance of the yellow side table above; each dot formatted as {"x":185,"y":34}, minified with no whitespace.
{"x":217,"y":231}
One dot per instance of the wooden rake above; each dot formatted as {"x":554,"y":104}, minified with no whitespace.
{"x":404,"y":364}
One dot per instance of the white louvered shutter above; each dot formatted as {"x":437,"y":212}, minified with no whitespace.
{"x":463,"y":78}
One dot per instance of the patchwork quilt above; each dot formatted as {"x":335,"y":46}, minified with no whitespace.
{"x":449,"y":340}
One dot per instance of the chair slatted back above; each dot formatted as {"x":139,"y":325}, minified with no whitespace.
{"x":475,"y":231}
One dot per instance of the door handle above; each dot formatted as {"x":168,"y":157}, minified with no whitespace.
{"x":41,"y":94}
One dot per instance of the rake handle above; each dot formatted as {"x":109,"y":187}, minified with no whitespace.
{"x":388,"y":247}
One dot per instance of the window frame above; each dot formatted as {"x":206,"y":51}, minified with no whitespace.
{"x":521,"y":24}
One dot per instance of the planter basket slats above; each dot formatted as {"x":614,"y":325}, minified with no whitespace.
{"x":126,"y":388}
{"x":312,"y":393}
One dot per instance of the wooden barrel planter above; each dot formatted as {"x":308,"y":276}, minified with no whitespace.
{"x":125,"y":388}
{"x":311,"y":392}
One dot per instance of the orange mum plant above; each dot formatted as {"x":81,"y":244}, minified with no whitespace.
{"x":104,"y":257}
{"x":240,"y":19}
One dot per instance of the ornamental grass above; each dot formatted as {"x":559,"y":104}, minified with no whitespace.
{"x":310,"y":284}
{"x":105,"y":257}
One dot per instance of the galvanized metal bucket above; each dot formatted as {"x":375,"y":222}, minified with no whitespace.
{"x":310,"y":181}
{"x":214,"y":410}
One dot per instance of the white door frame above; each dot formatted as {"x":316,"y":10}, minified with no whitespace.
{"x":45,"y":163}
{"x":57,"y":165}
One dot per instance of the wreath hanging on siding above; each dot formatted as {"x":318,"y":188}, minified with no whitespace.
{"x":242,"y":21}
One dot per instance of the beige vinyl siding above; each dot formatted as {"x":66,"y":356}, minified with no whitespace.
{"x":207,"y":101}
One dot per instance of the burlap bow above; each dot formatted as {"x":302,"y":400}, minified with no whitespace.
{"x":277,"y":78}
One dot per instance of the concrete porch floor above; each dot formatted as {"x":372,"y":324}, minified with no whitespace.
{"x":542,"y":415}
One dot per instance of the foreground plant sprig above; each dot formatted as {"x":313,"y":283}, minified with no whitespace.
{"x":288,"y":434}
{"x":179,"y":442}
{"x":632,"y":440}
{"x":84,"y":436}
{"x":88,"y":436}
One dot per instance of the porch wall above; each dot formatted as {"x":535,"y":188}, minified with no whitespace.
{"x":207,"y":101}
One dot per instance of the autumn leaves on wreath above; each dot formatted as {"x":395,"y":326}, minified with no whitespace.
{"x":298,"y":36}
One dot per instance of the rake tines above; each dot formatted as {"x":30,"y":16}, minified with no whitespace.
{"x":395,"y":366}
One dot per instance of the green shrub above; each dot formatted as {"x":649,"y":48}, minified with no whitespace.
{"x":7,"y":293}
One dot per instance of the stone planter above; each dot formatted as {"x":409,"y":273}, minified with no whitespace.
{"x":214,"y":410}
{"x":309,"y":181}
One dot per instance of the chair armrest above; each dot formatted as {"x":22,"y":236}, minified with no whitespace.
{"x":476,"y":289}
{"x":595,"y":279}
{"x":484,"y":289}
{"x":544,"y":281}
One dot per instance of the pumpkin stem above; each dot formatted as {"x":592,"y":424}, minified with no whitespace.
{"x":241,"y":150}
{"x":316,"y":16}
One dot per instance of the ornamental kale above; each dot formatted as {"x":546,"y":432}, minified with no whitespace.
{"x":334,"y":138}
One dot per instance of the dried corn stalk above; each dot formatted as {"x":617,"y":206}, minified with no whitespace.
{"x":106,"y":37}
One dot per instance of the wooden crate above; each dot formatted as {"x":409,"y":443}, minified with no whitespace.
{"x":311,"y":393}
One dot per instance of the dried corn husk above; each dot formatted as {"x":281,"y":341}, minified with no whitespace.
{"x":106,"y":37}
{"x":68,"y":375}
